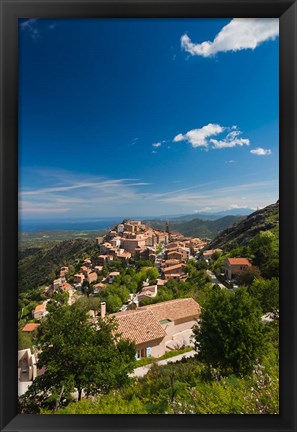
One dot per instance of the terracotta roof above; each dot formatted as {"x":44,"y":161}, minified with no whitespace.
{"x":139,"y":326}
{"x":124,"y":254}
{"x":40,"y":308}
{"x":66,"y":286}
{"x":169,"y":269}
{"x":175,"y":309}
{"x":170,"y":261}
{"x":99,"y":285}
{"x":174,"y":252}
{"x":143,"y":324}
{"x":30,"y":327}
{"x":151,"y":288}
{"x":161,"y":282}
{"x":239,"y":261}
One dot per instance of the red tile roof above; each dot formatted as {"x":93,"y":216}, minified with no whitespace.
{"x":30,"y":327}
{"x":175,"y":267}
{"x":239,"y":261}
{"x":139,"y":326}
{"x":40,"y":308}
{"x":143,"y":324}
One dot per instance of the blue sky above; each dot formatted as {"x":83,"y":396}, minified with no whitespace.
{"x":123,"y":117}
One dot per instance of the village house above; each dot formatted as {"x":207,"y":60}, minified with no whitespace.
{"x":160,"y":282}
{"x":92,"y":277}
{"x":169,"y":263}
{"x":112,"y":276}
{"x":30,"y":327}
{"x":85,"y":270}
{"x":149,"y":291}
{"x":207,"y":255}
{"x":234,"y":266}
{"x":104,"y":248}
{"x":162,"y":237}
{"x":174,"y":272}
{"x":145,"y":254}
{"x":160,"y":327}
{"x":27,"y":370}
{"x":174,"y":245}
{"x":99,"y":287}
{"x":115,"y":242}
{"x":79,"y":278}
{"x":123,"y":256}
{"x":57,"y":283}
{"x":66,"y":287}
{"x":40,"y":311}
{"x":174,"y":254}
{"x":99,"y":240}
{"x":98,"y":269}
{"x":131,"y":244}
{"x":63,"y":271}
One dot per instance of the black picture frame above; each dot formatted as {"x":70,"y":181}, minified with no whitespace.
{"x":11,"y":10}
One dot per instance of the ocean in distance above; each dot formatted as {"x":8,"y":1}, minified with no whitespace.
{"x":79,"y":224}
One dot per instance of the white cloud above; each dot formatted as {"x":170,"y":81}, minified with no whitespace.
{"x":236,"y":206}
{"x":198,"y":137}
{"x":158,"y":144}
{"x":261,"y":152}
{"x":231,"y":140}
{"x":239,"y":34}
{"x":201,"y":137}
{"x":154,"y":152}
{"x":230,"y":161}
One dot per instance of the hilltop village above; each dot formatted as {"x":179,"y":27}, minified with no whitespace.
{"x":160,"y":256}
{"x":158,"y":298}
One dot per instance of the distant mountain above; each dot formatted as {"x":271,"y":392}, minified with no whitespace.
{"x":212,"y":216}
{"x":196,"y":227}
{"x":236,"y":212}
{"x":243,"y":231}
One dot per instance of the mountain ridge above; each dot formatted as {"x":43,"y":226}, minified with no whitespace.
{"x":243,"y":231}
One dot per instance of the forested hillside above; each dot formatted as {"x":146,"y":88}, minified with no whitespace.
{"x":39,"y":266}
{"x":197,"y":227}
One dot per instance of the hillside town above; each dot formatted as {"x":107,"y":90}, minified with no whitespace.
{"x":155,"y":329}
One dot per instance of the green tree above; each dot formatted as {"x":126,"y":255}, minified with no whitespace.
{"x":247,"y":276}
{"x":113,"y":303}
{"x":78,"y":354}
{"x":265,"y":248}
{"x":25,"y":340}
{"x":231,"y":336}
{"x":267,"y":293}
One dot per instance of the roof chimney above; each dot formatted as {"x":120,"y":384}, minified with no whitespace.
{"x":102,"y":309}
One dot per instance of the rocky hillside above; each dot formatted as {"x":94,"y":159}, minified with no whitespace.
{"x":40,"y":267}
{"x":242,"y":232}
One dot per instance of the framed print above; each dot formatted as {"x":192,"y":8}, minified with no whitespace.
{"x":148,"y":235}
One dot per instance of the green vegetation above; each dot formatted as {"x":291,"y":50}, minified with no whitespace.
{"x":235,"y":370}
{"x":186,"y":387}
{"x":197,"y":227}
{"x":196,"y":286}
{"x":42,"y":266}
{"x":242,"y":232}
{"x":76,"y":355}
{"x":231,"y":336}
